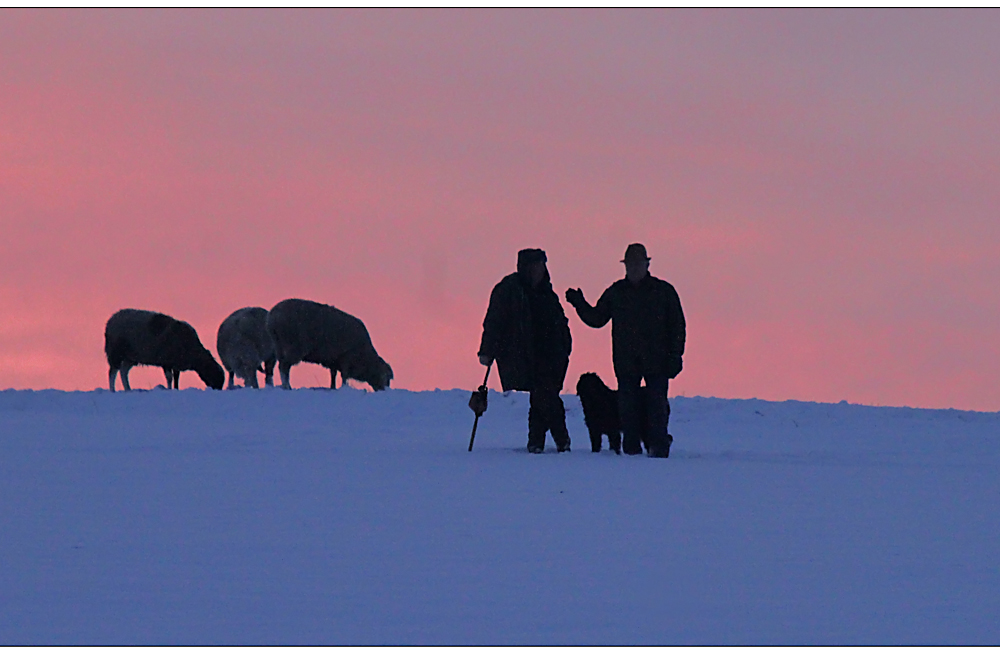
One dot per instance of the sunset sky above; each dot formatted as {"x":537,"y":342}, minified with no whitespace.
{"x":821,"y":187}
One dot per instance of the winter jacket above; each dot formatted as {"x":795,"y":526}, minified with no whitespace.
{"x":647,"y":330}
{"x":527,"y":333}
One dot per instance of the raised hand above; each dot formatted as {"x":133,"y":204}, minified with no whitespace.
{"x":574,"y":296}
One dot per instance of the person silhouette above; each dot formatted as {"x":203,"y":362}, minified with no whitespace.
{"x":647,"y":338}
{"x":527,"y":333}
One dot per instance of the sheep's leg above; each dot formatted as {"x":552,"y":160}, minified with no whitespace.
{"x":177,"y":379}
{"x":123,"y":371}
{"x":333,"y":378}
{"x":269,"y":373}
{"x":231,"y":384}
{"x":285,"y":369}
{"x":252,"y":379}
{"x":167,"y":373}
{"x":112,"y":374}
{"x":615,"y":441}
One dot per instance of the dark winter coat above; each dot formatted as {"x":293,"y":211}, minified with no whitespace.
{"x":527,"y":333}
{"x":647,"y":330}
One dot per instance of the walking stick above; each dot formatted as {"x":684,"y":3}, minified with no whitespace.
{"x":479,"y":407}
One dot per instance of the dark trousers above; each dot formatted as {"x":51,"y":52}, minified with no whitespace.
{"x":547,"y":413}
{"x":644,"y":412}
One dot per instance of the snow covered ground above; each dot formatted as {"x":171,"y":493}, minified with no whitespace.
{"x":346,"y":517}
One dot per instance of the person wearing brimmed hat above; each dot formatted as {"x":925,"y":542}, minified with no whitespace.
{"x":527,"y":333}
{"x":647,"y":341}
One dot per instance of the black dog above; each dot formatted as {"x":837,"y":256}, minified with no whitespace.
{"x":600,"y":413}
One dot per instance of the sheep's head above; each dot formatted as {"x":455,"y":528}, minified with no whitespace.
{"x":367,"y":366}
{"x":210,"y":371}
{"x":381,"y":375}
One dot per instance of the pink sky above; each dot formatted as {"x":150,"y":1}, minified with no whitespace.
{"x":821,"y":187}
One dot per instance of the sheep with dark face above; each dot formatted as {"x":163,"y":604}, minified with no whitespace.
{"x":244,"y":346}
{"x":134,"y":337}
{"x":319,"y":333}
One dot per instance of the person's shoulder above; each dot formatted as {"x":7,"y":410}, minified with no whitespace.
{"x":618,"y":285}
{"x":666,"y":290}
{"x":507,"y":289}
{"x":662,"y":284}
{"x":508,"y":281}
{"x":613,"y":292}
{"x":553,"y":299}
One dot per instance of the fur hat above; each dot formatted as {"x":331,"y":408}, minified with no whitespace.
{"x":530,"y":256}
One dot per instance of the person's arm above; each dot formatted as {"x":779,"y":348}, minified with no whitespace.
{"x":565,"y":338}
{"x":677,"y":334}
{"x":489,"y":345}
{"x":593,"y":316}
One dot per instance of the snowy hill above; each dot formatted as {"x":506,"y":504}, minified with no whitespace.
{"x":346,"y":517}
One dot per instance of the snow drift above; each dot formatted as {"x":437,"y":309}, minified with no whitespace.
{"x":348,"y":517}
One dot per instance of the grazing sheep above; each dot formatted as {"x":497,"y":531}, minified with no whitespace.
{"x":319,"y":333}
{"x":243,"y":345}
{"x":145,"y":338}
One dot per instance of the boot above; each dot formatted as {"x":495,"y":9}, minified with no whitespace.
{"x":561,"y":436}
{"x":536,"y":443}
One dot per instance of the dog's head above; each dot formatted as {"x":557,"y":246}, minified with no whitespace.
{"x":590,"y":385}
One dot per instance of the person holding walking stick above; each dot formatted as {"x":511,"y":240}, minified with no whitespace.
{"x":526,"y":332}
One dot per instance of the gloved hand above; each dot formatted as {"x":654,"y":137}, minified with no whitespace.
{"x":478,"y":401}
{"x":674,"y":366}
{"x":574,"y":296}
{"x":485,"y":359}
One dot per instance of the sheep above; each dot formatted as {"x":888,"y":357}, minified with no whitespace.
{"x":135,"y":337}
{"x":319,"y":333}
{"x":244,"y":344}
